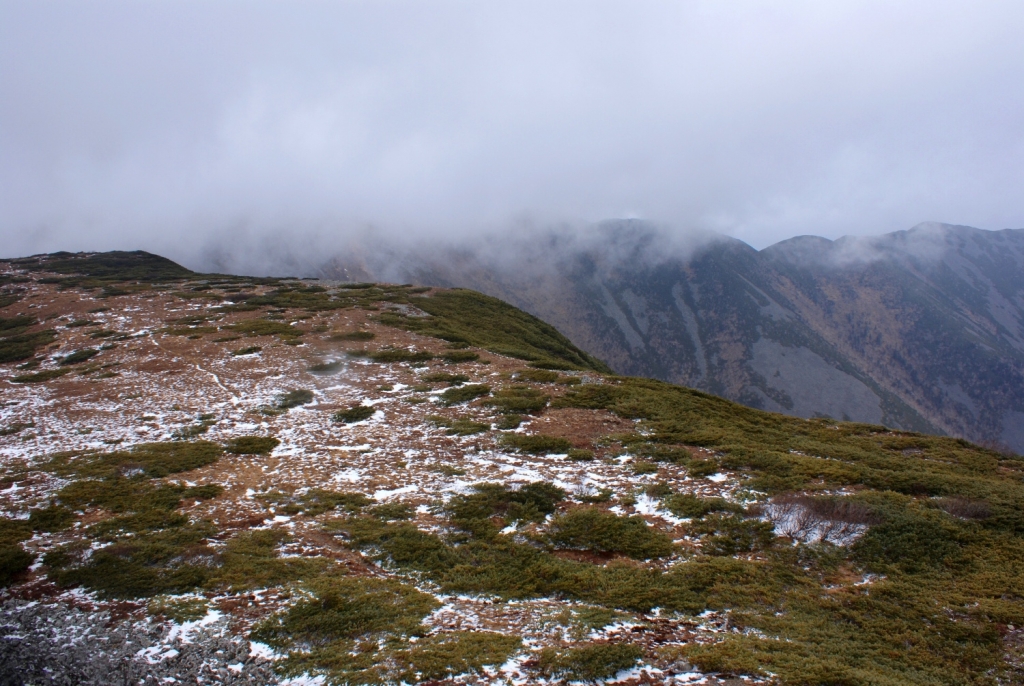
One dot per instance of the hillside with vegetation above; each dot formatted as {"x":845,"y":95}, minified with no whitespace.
{"x":921,"y":330}
{"x":239,"y":480}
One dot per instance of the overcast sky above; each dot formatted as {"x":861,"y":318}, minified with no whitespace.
{"x":168,"y":125}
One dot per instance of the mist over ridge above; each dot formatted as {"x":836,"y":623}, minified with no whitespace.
{"x":165,"y":125}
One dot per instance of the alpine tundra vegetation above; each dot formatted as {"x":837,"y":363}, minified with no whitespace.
{"x":392,"y":484}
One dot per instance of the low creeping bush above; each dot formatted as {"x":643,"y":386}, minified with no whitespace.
{"x":252,"y":445}
{"x":590,"y":528}
{"x":477,"y":511}
{"x":295,"y":398}
{"x":690,"y":506}
{"x":249,"y":350}
{"x":356,"y":413}
{"x":464,"y":394}
{"x":518,"y":400}
{"x":443,"y":377}
{"x":457,"y":356}
{"x":316,"y":501}
{"x":353,"y":336}
{"x":459,"y":427}
{"x":535,"y":444}
{"x":589,"y":663}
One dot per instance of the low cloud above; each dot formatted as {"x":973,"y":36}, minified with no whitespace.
{"x":270,"y":134}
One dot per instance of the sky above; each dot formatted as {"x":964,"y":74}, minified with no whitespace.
{"x":186,"y":126}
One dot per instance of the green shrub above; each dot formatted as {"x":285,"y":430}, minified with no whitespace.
{"x":316,"y":501}
{"x":589,"y":662}
{"x":17,"y":343}
{"x":441,"y":656}
{"x":700,"y":468}
{"x":13,"y":561}
{"x":640,"y":468}
{"x":250,"y":560}
{"x":294,"y":398}
{"x":391,"y":511}
{"x":15,"y":428}
{"x":913,"y":539}
{"x":348,"y":608}
{"x":176,"y":560}
{"x":142,"y":566}
{"x":456,"y":356}
{"x":79,"y":356}
{"x":537,"y":375}
{"x":474,"y":512}
{"x":204,"y":492}
{"x":327,"y":367}
{"x":356,"y":413}
{"x":590,"y":528}
{"x":581,"y":455}
{"x":400,"y":355}
{"x":658,"y":490}
{"x":690,"y":506}
{"x":264,"y":327}
{"x":353,"y":336}
{"x":602,"y":495}
{"x":249,"y":350}
{"x":179,"y":609}
{"x":459,"y":427}
{"x":729,"y":535}
{"x":463,"y":394}
{"x":190,"y":331}
{"x":443,"y":377}
{"x":252,"y":445}
{"x":40,"y":377}
{"x":535,"y":444}
{"x":51,"y":518}
{"x":509,"y":421}
{"x":121,"y":495}
{"x":518,"y":400}
{"x":153,"y":460}
{"x":552,"y":364}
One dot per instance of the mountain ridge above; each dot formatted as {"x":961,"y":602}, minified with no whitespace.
{"x":920,"y":329}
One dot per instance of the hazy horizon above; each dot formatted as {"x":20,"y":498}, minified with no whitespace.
{"x":184,"y":127}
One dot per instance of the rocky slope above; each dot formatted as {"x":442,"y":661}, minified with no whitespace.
{"x":919,"y":329}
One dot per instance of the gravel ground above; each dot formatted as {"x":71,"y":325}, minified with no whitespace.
{"x":58,"y":645}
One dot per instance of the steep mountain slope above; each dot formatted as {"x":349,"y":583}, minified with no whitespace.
{"x":921,"y":329}
{"x":211,"y":479}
